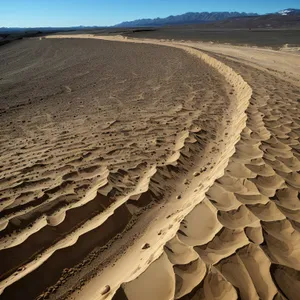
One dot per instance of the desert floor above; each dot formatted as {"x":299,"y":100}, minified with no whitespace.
{"x":148,"y":169}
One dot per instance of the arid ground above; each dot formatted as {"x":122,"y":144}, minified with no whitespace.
{"x":148,"y":170}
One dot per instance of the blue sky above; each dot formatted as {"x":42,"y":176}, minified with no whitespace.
{"x":33,"y":13}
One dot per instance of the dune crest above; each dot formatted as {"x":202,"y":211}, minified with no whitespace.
{"x":195,"y":188}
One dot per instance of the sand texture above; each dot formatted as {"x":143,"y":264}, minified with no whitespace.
{"x":138,"y":169}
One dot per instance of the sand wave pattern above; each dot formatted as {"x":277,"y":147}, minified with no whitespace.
{"x":137,"y":171}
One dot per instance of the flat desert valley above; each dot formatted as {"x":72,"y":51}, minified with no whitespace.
{"x":148,"y":170}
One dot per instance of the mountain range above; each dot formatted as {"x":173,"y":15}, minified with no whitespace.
{"x":199,"y":18}
{"x":289,"y":17}
{"x":187,"y":18}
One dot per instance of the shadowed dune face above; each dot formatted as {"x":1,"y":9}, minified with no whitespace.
{"x":85,"y":125}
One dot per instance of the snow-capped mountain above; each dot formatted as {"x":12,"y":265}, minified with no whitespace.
{"x":289,"y":11}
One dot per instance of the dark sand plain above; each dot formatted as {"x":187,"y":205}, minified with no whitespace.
{"x":272,"y":38}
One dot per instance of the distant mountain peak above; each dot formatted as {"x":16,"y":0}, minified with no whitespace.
{"x":289,"y":11}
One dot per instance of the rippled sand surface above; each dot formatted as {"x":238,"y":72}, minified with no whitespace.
{"x":148,"y":170}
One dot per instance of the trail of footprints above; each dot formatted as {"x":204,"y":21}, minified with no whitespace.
{"x":243,"y":240}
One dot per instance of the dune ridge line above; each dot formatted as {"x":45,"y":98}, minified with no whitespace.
{"x":243,"y":94}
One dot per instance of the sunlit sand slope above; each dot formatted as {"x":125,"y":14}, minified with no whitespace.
{"x":246,"y":231}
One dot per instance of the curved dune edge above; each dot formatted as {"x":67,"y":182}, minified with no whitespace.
{"x":242,"y":94}
{"x":72,"y":238}
{"x":256,"y":253}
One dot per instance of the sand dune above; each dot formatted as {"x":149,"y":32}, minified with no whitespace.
{"x":175,"y":180}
